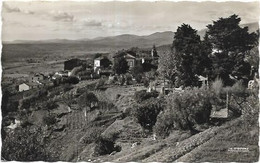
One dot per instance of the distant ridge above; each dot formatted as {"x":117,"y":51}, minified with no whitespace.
{"x":125,"y":40}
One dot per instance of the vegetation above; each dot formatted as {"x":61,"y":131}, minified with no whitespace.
{"x":137,"y":69}
{"x":142,"y":95}
{"x":87,"y":99}
{"x":23,"y":145}
{"x":120,"y":65}
{"x":230,"y":43}
{"x":105,"y":146}
{"x":147,"y":112}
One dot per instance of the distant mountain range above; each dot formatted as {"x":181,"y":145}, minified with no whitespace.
{"x":125,"y":40}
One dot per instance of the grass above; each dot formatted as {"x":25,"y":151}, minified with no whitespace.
{"x":233,"y":134}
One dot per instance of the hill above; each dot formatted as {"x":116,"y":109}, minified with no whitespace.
{"x":120,"y":41}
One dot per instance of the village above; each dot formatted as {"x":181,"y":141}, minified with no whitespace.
{"x":186,"y":96}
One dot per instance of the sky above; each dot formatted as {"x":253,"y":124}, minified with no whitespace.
{"x":42,"y":20}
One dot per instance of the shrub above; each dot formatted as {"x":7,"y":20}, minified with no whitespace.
{"x":138,"y":78}
{"x":73,"y":80}
{"x":217,"y":86}
{"x":23,"y":145}
{"x":50,"y":105}
{"x":146,"y":113}
{"x":100,"y":83}
{"x":146,"y":82}
{"x":92,"y":134}
{"x":142,"y":95}
{"x":238,"y":89}
{"x":105,"y":146}
{"x":87,"y":99}
{"x":121,"y":80}
{"x":128,"y":78}
{"x":164,"y":124}
{"x":184,"y":110}
{"x":49,"y":120}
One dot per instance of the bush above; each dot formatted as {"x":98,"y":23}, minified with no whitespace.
{"x":142,"y":95}
{"x":105,"y":146}
{"x":217,"y":86}
{"x":87,"y":99}
{"x":184,"y":110}
{"x":138,"y":78}
{"x":129,"y":79}
{"x":73,"y":80}
{"x":146,"y":114}
{"x":23,"y":145}
{"x":164,"y":124}
{"x":92,"y":134}
{"x":49,"y":120}
{"x":121,"y":80}
{"x":100,"y":83}
{"x":146,"y":82}
{"x":238,"y":89}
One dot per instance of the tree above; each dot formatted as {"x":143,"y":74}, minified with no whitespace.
{"x":120,"y":65}
{"x":88,"y":99}
{"x":146,"y":113}
{"x":105,"y":62}
{"x":190,"y":55}
{"x":230,"y":44}
{"x":137,"y":69}
{"x":167,"y":65}
{"x":97,"y":55}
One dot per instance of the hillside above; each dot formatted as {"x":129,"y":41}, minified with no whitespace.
{"x":120,"y":41}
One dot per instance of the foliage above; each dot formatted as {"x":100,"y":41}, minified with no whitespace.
{"x":105,"y":146}
{"x":138,"y":78}
{"x":230,"y":44}
{"x":23,"y":145}
{"x":148,"y":66}
{"x":93,"y":134}
{"x":50,"y":105}
{"x":128,"y":78}
{"x":191,"y":56}
{"x":167,"y":65}
{"x":87,"y":99}
{"x":146,"y":113}
{"x":120,"y":65}
{"x":164,"y":124}
{"x":97,"y":55}
{"x":151,"y":75}
{"x":73,"y":80}
{"x":217,"y":86}
{"x":5,"y":99}
{"x":49,"y":120}
{"x":137,"y":69}
{"x":184,"y":110}
{"x":100,"y":83}
{"x":146,"y":82}
{"x":121,"y":79}
{"x":142,"y":95}
{"x":253,"y":58}
{"x":105,"y":62}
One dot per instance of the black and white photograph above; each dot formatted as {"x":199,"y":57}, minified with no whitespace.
{"x":130,"y":81}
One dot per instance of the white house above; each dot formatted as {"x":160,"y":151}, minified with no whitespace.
{"x":23,"y":87}
{"x":97,"y":63}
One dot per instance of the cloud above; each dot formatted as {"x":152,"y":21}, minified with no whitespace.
{"x":9,"y":9}
{"x":92,"y":23}
{"x":62,"y":16}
